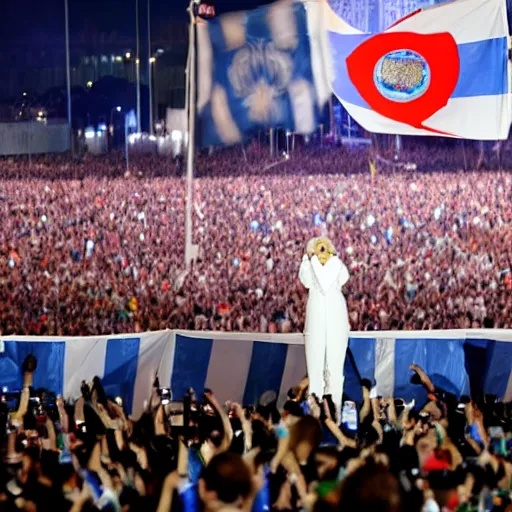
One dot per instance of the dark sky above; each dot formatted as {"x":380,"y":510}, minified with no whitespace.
{"x":22,"y":17}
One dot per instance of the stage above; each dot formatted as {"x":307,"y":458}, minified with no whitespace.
{"x":241,"y":366}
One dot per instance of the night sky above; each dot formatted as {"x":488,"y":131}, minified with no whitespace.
{"x":22,"y":17}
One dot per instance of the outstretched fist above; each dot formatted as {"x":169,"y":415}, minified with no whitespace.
{"x":29,"y":364}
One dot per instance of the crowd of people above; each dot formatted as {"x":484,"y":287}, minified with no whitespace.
{"x":87,"y":248}
{"x":199,"y":455}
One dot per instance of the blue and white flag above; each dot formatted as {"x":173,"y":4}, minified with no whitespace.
{"x":255,"y":72}
{"x":442,"y":70}
{"x":241,"y":366}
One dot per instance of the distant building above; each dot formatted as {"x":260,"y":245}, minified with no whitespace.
{"x":376,"y":15}
{"x":39,"y":64}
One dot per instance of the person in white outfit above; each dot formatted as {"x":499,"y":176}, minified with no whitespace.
{"x":327,"y":325}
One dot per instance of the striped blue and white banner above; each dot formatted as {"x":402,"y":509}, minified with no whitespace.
{"x":241,"y":366}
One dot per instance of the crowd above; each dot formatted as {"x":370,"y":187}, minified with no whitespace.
{"x":390,"y":456}
{"x":86,"y":248}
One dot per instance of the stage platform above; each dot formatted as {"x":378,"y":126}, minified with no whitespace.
{"x":241,"y":366}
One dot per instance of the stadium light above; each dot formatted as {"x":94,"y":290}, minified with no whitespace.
{"x":89,"y":84}
{"x":128,"y":55}
{"x":118,"y":109}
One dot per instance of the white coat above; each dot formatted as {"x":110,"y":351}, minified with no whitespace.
{"x":327,"y":326}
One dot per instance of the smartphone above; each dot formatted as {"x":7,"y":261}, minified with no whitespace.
{"x":349,"y":416}
{"x":496,"y":432}
{"x":165,"y":396}
{"x":175,"y":412}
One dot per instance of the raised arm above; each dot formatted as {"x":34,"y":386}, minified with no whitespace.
{"x":344,"y":275}
{"x":306,"y":272}
{"x":327,"y":274}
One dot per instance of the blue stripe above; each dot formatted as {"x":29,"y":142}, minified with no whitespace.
{"x":266,"y":370}
{"x":363,"y":350}
{"x":121,"y":360}
{"x":50,"y":364}
{"x":499,"y":364}
{"x":190,"y":369}
{"x":483,"y":68}
{"x":442,"y":359}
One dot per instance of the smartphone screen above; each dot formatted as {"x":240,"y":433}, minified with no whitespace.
{"x":175,"y":413}
{"x":349,"y":416}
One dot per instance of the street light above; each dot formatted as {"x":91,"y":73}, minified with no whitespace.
{"x":152,"y":69}
{"x":112,"y":110}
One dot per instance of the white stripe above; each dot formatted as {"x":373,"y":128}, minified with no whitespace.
{"x":229,"y":368}
{"x":302,"y":98}
{"x":294,"y":371}
{"x":467,"y":20}
{"x":504,"y":335}
{"x":84,"y":359}
{"x":385,"y":366}
{"x":225,"y":125}
{"x":283,"y":25}
{"x":508,"y":394}
{"x":204,"y":66}
{"x":167,"y":363}
{"x":233,"y":29}
{"x":333,"y":22}
{"x":457,"y":117}
{"x":262,"y":337}
{"x":151,"y":353}
{"x":321,"y":59}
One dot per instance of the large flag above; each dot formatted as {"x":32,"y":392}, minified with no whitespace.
{"x":242,"y":366}
{"x":255,"y":72}
{"x":438,"y":71}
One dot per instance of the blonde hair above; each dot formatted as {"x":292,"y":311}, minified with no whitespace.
{"x":314,"y":241}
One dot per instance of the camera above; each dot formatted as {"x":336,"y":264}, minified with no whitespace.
{"x":165,"y":395}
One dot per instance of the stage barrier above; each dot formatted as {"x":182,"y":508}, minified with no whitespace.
{"x":241,"y":366}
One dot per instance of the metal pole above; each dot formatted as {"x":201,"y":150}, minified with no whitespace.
{"x":29,"y":142}
{"x":271,"y":134}
{"x":150,"y":72}
{"x":137,"y":63}
{"x":349,"y":124}
{"x":191,"y":75}
{"x":331,"y":116}
{"x":68,"y":76}
{"x":155,"y":85}
{"x":126,"y":145}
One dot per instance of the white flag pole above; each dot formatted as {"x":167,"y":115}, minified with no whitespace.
{"x":126,"y":143}
{"x":191,"y":105}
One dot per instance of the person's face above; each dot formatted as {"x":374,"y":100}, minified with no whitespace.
{"x":322,"y":250}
